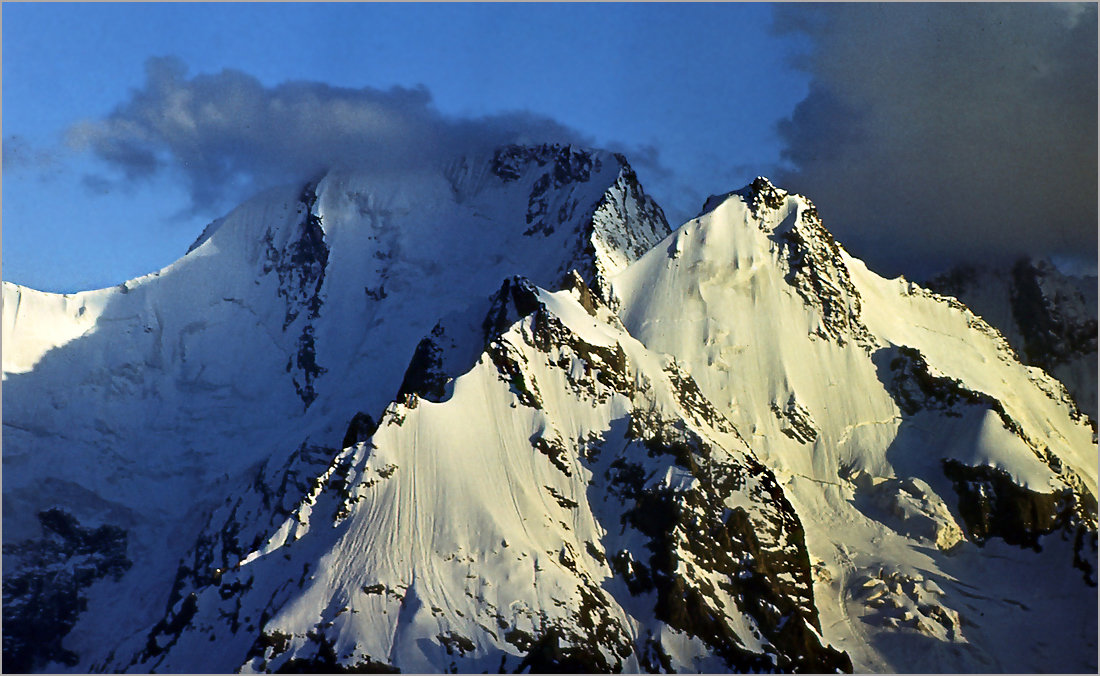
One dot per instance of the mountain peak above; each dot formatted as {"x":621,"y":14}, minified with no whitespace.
{"x":761,"y":193}
{"x":761,"y":222}
{"x":729,"y":447}
{"x":570,"y":163}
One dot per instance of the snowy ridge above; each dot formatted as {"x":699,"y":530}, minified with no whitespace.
{"x":497,"y":417}
{"x":46,"y":321}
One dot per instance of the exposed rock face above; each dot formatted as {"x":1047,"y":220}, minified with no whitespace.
{"x":993,"y":505}
{"x":797,"y":423}
{"x":361,"y":427}
{"x":425,"y":376}
{"x":567,"y":164}
{"x":990,"y":502}
{"x":626,"y":224}
{"x":1058,"y":324}
{"x":916,"y":388}
{"x":44,"y":586}
{"x":300,"y":266}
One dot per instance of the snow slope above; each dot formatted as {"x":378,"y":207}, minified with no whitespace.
{"x":343,"y":433}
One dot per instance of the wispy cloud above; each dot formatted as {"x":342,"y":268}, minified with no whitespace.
{"x":227,"y":134}
{"x":936,"y":133}
{"x":22,"y":156}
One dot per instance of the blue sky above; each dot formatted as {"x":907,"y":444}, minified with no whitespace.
{"x":927,"y":134}
{"x":703,"y":84}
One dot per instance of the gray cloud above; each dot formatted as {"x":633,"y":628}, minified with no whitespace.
{"x":937,"y":133}
{"x":227,"y":134}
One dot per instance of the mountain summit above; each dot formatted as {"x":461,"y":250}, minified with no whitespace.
{"x":499,"y":417}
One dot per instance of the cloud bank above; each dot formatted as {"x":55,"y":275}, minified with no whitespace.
{"x":939,"y":133}
{"x":226,"y":135}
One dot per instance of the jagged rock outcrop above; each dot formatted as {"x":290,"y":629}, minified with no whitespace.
{"x":44,"y":592}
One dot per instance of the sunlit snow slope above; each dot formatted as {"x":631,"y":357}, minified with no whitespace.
{"x":496,"y":417}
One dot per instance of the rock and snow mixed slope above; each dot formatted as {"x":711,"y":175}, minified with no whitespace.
{"x":1048,"y":317}
{"x":341,"y":433}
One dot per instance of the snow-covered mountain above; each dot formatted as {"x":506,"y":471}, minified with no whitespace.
{"x":498,"y":417}
{"x":1047,"y":316}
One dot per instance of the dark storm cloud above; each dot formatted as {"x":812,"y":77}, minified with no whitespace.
{"x":934,"y":133}
{"x":227,"y":134}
